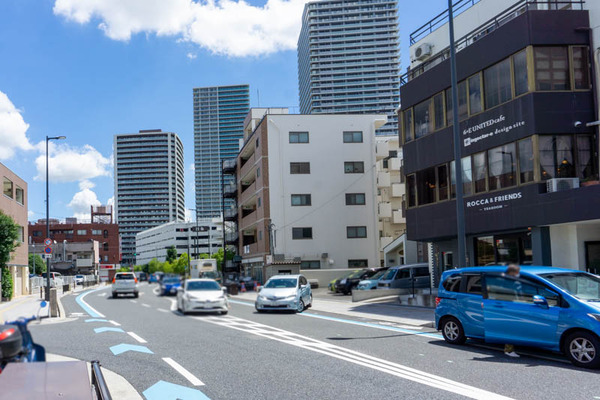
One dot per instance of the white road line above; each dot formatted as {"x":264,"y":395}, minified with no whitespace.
{"x":186,"y":374}
{"x":146,"y":305}
{"x":162,"y":310}
{"x":115,"y":323}
{"x":80,"y":300}
{"x":173,"y":305}
{"x":102,"y":295}
{"x":354,"y":357}
{"x":136,"y":337}
{"x":133,"y":301}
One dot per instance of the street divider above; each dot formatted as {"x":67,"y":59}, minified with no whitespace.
{"x":360,"y":295}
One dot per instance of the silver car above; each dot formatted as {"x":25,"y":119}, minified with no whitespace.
{"x":284,"y":292}
{"x":202,"y":295}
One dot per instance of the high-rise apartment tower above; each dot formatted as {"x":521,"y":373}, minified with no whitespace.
{"x":149,"y":184}
{"x":349,"y":59}
{"x":219,"y":114}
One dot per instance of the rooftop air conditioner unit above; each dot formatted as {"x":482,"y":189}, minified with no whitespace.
{"x":324,"y":255}
{"x":559,"y":184}
{"x":423,"y":51}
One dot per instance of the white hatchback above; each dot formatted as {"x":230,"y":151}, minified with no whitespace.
{"x":202,"y":295}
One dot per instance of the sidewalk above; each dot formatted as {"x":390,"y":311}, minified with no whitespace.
{"x":386,"y":310}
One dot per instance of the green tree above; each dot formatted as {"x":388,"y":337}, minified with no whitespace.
{"x":166,"y":267}
{"x":153,"y":266}
{"x":219,"y":257}
{"x":137,"y":268}
{"x":181,"y":265}
{"x":9,"y":235}
{"x":171,"y":254}
{"x":40,"y":265}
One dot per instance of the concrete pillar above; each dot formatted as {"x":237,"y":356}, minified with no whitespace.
{"x":53,"y":303}
{"x":541,"y":246}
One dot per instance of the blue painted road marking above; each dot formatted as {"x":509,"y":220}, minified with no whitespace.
{"x":95,"y":320}
{"x":86,"y":307}
{"x":169,"y":391}
{"x":123,"y":347}
{"x":108,"y":329}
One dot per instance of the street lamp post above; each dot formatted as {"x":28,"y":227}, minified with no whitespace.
{"x":48,"y":138}
{"x":195,"y":236}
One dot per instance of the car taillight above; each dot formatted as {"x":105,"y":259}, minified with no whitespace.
{"x":135,"y":279}
{"x":114,"y":280}
{"x":437,"y":301}
{"x":6,"y":333}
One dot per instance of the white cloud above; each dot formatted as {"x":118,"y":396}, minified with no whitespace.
{"x":188,"y":215}
{"x":12,"y":129}
{"x":70,"y":164}
{"x":82,"y":200}
{"x":233,"y":28}
{"x":192,"y":167}
{"x":191,"y":56}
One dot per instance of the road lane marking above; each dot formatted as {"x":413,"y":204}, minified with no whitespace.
{"x":136,"y":337}
{"x":102,"y":295}
{"x":162,"y":390}
{"x":353,"y":322}
{"x":133,"y":301}
{"x":108,"y":329}
{"x":186,"y":374}
{"x":352,"y":356}
{"x":162,"y":310}
{"x":86,"y":307}
{"x":146,"y":305}
{"x":124,"y":347}
{"x":95,"y":320}
{"x":115,"y":323}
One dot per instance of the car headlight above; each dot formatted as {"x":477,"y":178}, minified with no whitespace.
{"x":595,"y":316}
{"x":292,"y":297}
{"x":261,"y":297}
{"x":343,"y":282}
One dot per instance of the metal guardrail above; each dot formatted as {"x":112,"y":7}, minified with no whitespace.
{"x":440,"y":19}
{"x":98,"y":383}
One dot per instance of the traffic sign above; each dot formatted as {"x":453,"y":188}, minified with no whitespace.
{"x":47,"y":256}
{"x":48,"y":250}
{"x":47,"y":241}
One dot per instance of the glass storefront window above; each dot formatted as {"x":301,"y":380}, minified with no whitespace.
{"x":426,"y":186}
{"x":475,"y":104}
{"x":479,"y":172}
{"x":485,"y":250}
{"x":556,"y":156}
{"x":551,"y":68}
{"x":442,"y":182}
{"x":525,"y":160}
{"x":423,"y":118}
{"x":407,"y":125}
{"x":520,"y":73}
{"x":438,"y":109}
{"x":585,"y":158}
{"x":497,"y":81}
{"x":502,"y":163}
{"x":462,"y":103}
{"x":581,"y":68}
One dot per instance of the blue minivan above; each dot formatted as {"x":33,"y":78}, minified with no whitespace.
{"x":552,"y":308}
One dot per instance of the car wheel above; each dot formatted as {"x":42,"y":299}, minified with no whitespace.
{"x":224,"y":312}
{"x":300,"y":306}
{"x":136,"y":295}
{"x":310,"y":302}
{"x":582,"y":349}
{"x":114,"y":295}
{"x":453,"y":331}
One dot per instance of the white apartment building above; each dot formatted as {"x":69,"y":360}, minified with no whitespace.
{"x":193,"y":238}
{"x":311,"y":181}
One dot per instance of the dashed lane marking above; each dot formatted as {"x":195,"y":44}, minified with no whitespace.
{"x":115,"y":323}
{"x":146,"y":305}
{"x":136,"y":337}
{"x":186,"y":374}
{"x":162,"y":310}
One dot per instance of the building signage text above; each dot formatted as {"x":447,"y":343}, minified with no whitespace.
{"x":489,"y":128}
{"x":494,"y":202}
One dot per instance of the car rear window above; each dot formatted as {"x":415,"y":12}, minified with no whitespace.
{"x":124,"y":276}
{"x":452,"y":283}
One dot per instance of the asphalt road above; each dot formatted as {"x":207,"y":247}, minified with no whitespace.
{"x":313,"y":355}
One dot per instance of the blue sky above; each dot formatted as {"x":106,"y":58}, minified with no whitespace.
{"x":89,"y":69}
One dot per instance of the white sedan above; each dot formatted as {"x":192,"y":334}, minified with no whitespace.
{"x":202,"y":295}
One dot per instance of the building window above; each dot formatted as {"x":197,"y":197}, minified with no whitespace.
{"x":298,"y":137}
{"x":423,"y":118}
{"x":302,"y":233}
{"x":462,"y":103}
{"x":259,"y":235}
{"x":407,"y":125}
{"x":502,"y":162}
{"x":520,"y":73}
{"x":497,"y":81}
{"x":257,"y":142}
{"x":356,"y":232}
{"x":19,"y":195}
{"x":105,"y":246}
{"x":551,"y":68}
{"x":467,"y":177}
{"x":354,"y":167}
{"x":438,"y":111}
{"x":37,"y":233}
{"x":358,"y":263}
{"x":313,"y":264}
{"x":426,"y":186}
{"x":7,"y":188}
{"x":556,"y":157}
{"x":96,"y":232}
{"x":82,"y":232}
{"x":581,"y":77}
{"x":442,"y":175}
{"x":259,"y":202}
{"x":258,"y":172}
{"x":105,"y":233}
{"x":355,"y":199}
{"x":585,"y":156}
{"x":353,"y":137}
{"x":301,"y":200}
{"x":525,"y":148}
{"x":475,"y":101}
{"x":411,"y":189}
{"x":300,"y":168}
{"x":21,"y":234}
{"x":479,"y":172}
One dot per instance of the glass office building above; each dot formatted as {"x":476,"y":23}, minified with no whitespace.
{"x":349,"y":59}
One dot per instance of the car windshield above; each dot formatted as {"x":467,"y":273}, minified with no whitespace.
{"x":124,"y":276}
{"x":203,"y":285}
{"x":378,"y":275}
{"x":356,"y":274}
{"x":579,"y":284}
{"x":389,"y":274}
{"x":281,"y":283}
{"x":170,"y":281}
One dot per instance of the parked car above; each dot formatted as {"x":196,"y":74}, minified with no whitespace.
{"x":78,"y":279}
{"x":406,"y":277}
{"x":202,"y":295}
{"x":169,"y":285}
{"x":331,"y":285}
{"x":371,"y":283}
{"x":284,"y":292}
{"x":153,"y":278}
{"x":551,"y":308}
{"x":124,"y":283}
{"x":347,"y":284}
{"x":56,"y":279}
{"x":141,"y":275}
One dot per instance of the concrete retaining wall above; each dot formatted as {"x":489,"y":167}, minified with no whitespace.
{"x":360,"y":295}
{"x":324,"y":276}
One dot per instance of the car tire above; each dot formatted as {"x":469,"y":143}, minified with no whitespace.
{"x":114,"y":295}
{"x":453,"y":331}
{"x":136,"y":295}
{"x":300,"y":306}
{"x":310,"y":302}
{"x":583,"y":349}
{"x":224,"y":312}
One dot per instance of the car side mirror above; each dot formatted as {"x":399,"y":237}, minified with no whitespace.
{"x":540,"y":301}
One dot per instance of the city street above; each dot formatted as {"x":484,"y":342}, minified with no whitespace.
{"x":313,"y":355}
